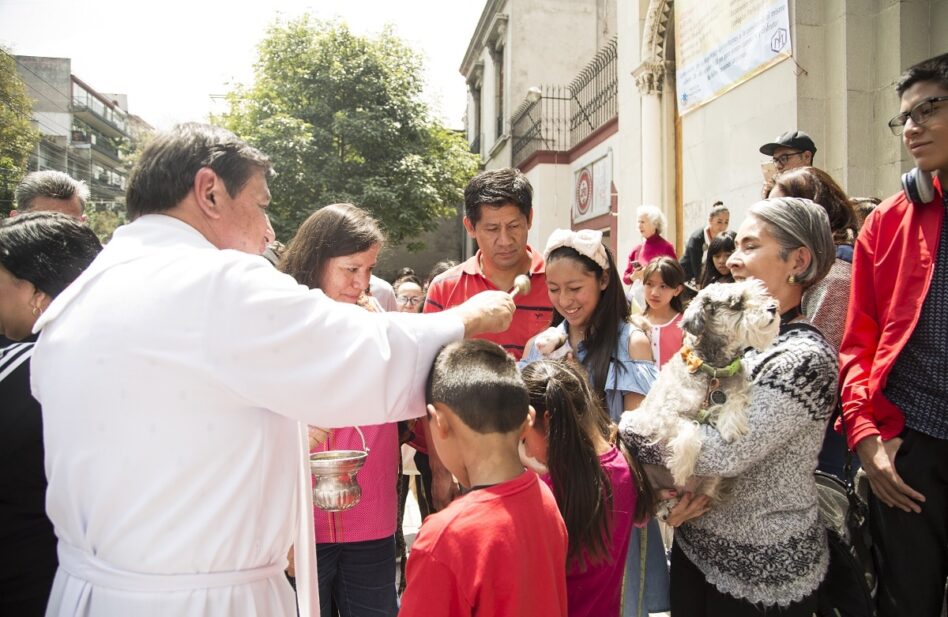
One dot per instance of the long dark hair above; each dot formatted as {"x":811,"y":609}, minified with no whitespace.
{"x":573,"y":416}
{"x":334,"y":231}
{"x":612,"y":310}
{"x":721,"y":243}
{"x":671,"y":274}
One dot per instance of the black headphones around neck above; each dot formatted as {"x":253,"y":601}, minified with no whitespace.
{"x":917,"y":186}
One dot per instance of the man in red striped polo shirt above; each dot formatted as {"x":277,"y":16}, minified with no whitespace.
{"x":498,"y":212}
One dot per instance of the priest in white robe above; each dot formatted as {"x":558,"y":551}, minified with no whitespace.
{"x":173,"y":376}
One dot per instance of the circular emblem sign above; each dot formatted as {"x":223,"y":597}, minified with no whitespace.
{"x":584,"y":191}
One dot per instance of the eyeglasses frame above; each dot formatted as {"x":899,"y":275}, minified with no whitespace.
{"x":781,"y":160}
{"x":897,"y":123}
{"x":410,"y":301}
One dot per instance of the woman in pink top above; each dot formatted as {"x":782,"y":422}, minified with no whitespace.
{"x":664,"y":282}
{"x":335,"y":250}
{"x":651,"y":224}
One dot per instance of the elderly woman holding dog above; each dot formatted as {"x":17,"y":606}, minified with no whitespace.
{"x":761,"y":549}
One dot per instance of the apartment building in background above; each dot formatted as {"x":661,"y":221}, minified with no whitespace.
{"x":84,"y":132}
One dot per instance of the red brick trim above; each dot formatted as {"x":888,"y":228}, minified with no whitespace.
{"x":549,"y":157}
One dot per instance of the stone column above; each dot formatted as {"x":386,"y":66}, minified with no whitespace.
{"x":650,"y":78}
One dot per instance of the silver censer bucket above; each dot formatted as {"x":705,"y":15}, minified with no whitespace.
{"x":335,"y":487}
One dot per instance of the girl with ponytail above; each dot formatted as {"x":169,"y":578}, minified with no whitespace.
{"x":599,"y":494}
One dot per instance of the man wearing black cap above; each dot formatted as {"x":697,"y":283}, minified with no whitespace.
{"x":790,"y":150}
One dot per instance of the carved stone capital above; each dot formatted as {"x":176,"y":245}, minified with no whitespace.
{"x":497,"y":33}
{"x":476,"y":76}
{"x":650,"y":76}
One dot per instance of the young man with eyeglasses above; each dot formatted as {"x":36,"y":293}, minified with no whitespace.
{"x":791,"y":150}
{"x":894,"y":361}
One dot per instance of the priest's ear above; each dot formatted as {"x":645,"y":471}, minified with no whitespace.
{"x":208,"y":189}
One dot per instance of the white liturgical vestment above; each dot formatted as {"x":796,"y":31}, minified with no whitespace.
{"x":172,"y":377}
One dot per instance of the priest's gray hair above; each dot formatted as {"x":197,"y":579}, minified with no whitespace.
{"x":165,"y":172}
{"x":653,"y":215}
{"x":796,"y":223}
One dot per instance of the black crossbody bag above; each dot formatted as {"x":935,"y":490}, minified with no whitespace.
{"x":849,"y":589}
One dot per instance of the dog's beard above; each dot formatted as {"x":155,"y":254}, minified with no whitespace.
{"x":762,"y":338}
{"x":529,"y":462}
{"x":760,"y":328}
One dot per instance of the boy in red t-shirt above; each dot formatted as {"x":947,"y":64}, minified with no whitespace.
{"x":501,"y":548}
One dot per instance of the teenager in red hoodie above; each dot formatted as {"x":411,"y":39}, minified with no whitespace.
{"x":894,"y":360}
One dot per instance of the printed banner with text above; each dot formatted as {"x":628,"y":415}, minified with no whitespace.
{"x":721,"y":44}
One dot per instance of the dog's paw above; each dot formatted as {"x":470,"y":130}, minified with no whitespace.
{"x":732,"y":424}
{"x":685,"y":447}
{"x":638,"y":425}
{"x":551,"y":343}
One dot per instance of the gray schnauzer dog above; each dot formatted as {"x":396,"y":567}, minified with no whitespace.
{"x":704,"y":384}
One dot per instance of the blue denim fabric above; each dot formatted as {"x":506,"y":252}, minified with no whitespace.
{"x":655,"y":587}
{"x":359,"y":576}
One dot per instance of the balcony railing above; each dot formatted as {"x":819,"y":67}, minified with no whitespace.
{"x":98,"y":143}
{"x":557,"y":118}
{"x":83,"y":100}
{"x":541,"y":124}
{"x":106,"y":149}
{"x":594,"y":94}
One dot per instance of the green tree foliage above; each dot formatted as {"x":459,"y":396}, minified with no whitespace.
{"x":341,"y":117}
{"x":104,"y":221}
{"x":17,"y":135}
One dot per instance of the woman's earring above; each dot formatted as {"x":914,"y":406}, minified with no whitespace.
{"x":792,"y":279}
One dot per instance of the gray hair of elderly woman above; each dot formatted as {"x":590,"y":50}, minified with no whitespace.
{"x":653,"y":215}
{"x":795,"y":223}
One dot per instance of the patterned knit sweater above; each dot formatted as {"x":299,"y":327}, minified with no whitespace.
{"x":764,"y":542}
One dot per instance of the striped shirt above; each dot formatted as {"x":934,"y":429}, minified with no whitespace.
{"x":534,"y":311}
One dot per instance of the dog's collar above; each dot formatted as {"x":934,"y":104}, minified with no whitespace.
{"x":704,"y":417}
{"x":695,"y":364}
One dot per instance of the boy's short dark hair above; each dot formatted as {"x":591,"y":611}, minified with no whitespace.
{"x":497,"y":187}
{"x":481,"y":385}
{"x":934,"y":70}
